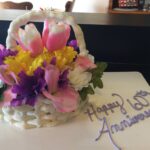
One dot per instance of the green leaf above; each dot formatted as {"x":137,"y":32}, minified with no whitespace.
{"x":97,"y":74}
{"x":85,"y":91}
{"x":101,"y":66}
{"x":97,"y":82}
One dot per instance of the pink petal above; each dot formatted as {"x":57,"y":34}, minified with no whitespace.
{"x":55,"y":36}
{"x":36,"y":47}
{"x":7,"y":97}
{"x":85,"y":63}
{"x":47,"y":27}
{"x":13,"y":75}
{"x":30,"y":39}
{"x":21,"y":39}
{"x":65,"y":100}
{"x":67,"y":32}
{"x":52,"y":76}
{"x":52,"y":41}
{"x":5,"y":76}
{"x":1,"y":47}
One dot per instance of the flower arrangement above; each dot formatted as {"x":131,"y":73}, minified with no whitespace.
{"x":47,"y":66}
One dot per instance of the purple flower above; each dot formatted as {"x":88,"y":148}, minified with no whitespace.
{"x":18,"y":101}
{"x":28,"y":88}
{"x":5,"y":53}
{"x":44,"y":64}
{"x":53,"y":61}
{"x":74,"y":44}
{"x":63,"y":80}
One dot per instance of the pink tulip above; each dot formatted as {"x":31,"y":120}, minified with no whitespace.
{"x":52,"y":76}
{"x":64,"y":100}
{"x":30,"y":39}
{"x":55,"y":36}
{"x":8,"y":78}
{"x":85,"y":63}
{"x":7,"y":97}
{"x":47,"y":26}
{"x":1,"y":47}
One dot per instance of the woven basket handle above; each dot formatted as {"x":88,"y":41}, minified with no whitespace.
{"x":41,"y":15}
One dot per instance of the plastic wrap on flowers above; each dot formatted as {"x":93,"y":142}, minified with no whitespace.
{"x":44,"y":80}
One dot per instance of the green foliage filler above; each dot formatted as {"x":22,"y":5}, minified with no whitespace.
{"x":96,"y":80}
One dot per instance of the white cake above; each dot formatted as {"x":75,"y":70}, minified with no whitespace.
{"x":81,"y":132}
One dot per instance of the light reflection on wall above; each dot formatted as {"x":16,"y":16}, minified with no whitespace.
{"x":92,"y":6}
{"x":58,"y":4}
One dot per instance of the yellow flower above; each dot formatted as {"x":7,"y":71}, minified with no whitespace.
{"x":64,"y":56}
{"x":39,"y":60}
{"x":19,"y":62}
{"x":24,"y":61}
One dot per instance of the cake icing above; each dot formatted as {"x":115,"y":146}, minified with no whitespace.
{"x":45,"y":78}
{"x":105,"y":126}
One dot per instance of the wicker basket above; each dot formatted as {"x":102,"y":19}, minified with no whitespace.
{"x":43,"y":114}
